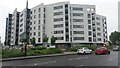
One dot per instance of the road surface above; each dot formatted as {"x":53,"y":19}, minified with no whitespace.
{"x":69,"y":60}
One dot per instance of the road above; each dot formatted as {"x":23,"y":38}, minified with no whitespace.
{"x":69,"y":60}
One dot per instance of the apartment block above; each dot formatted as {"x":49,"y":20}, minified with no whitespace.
{"x":8,"y":29}
{"x":14,"y":28}
{"x":68,"y":23}
{"x":119,"y":16}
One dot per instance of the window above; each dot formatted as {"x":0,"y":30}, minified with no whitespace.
{"x":39,"y":16}
{"x":98,"y":29}
{"x":89,"y":27}
{"x":89,"y":33}
{"x":39,"y":9}
{"x":99,"y":39}
{"x":34,"y":22}
{"x":21,"y":20}
{"x":58,"y":13}
{"x":58,"y":19}
{"x":89,"y":21}
{"x":34,"y":16}
{"x":38,"y":21}
{"x":78,"y":32}
{"x":21,"y":25}
{"x":77,"y":9}
{"x":38,"y":33}
{"x":98,"y":23}
{"x":77,"y":20}
{"x":21,"y":30}
{"x":90,"y":39}
{"x":78,"y":26}
{"x":34,"y":28}
{"x":59,"y":38}
{"x":39,"y":39}
{"x":58,"y":32}
{"x":58,"y":7}
{"x":97,"y":18}
{"x":89,"y":16}
{"x":59,"y":25}
{"x":34,"y":11}
{"x":39,"y":27}
{"x":78,"y":38}
{"x":99,"y":34}
{"x":34,"y":33}
{"x":78,"y":14}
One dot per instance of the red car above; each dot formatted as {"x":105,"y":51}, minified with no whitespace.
{"x":102,"y":50}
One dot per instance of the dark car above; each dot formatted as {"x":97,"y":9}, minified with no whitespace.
{"x":102,"y":50}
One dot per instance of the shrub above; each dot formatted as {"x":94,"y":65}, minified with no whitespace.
{"x":12,"y":53}
{"x":71,"y":49}
{"x":38,"y":48}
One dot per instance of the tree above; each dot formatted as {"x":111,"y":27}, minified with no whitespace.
{"x":53,"y":39}
{"x":45,"y":39}
{"x":115,"y":37}
{"x":33,"y":41}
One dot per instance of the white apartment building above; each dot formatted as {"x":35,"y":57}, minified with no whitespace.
{"x":68,"y":23}
{"x":119,"y":16}
{"x":15,"y":28}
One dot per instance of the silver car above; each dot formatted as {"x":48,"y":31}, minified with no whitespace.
{"x":116,"y":48}
{"x":84,"y":50}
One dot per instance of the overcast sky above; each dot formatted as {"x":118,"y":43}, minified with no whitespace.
{"x":108,"y":8}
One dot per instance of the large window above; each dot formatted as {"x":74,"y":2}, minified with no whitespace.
{"x":38,"y":33}
{"x":58,"y":32}
{"x":89,"y":27}
{"x":58,"y":13}
{"x":99,"y":34}
{"x":58,"y":7}
{"x":39,"y":39}
{"x":58,"y":19}
{"x":77,"y":9}
{"x":98,"y":29}
{"x":58,"y":25}
{"x":78,"y":20}
{"x":99,"y":39}
{"x":78,"y":32}
{"x":59,"y":38}
{"x":78,"y":26}
{"x":78,"y":14}
{"x":89,"y":33}
{"x":78,"y":38}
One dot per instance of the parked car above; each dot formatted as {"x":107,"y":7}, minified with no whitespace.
{"x":84,"y":50}
{"x":102,"y":50}
{"x":115,"y":48}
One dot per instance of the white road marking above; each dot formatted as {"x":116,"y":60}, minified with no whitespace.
{"x":77,"y":58}
{"x":35,"y":64}
{"x":48,"y":62}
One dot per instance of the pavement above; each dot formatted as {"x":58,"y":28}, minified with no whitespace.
{"x":38,"y":56}
{"x":69,"y":60}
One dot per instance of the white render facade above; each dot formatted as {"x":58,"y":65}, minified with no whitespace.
{"x":119,"y":16}
{"x":68,"y":23}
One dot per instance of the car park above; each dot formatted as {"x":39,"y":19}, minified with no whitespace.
{"x":84,"y":51}
{"x":102,"y":50}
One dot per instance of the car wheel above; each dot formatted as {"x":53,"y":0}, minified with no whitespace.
{"x":84,"y":53}
{"x":96,"y":54}
{"x":109,"y":52}
{"x":78,"y":54}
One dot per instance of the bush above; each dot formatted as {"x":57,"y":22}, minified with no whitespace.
{"x":38,"y":48}
{"x":11,"y":53}
{"x":71,"y":49}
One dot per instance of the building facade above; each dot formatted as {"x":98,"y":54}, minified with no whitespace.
{"x":8,"y":29}
{"x":68,"y":23}
{"x":119,"y":16}
{"x":15,"y":28}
